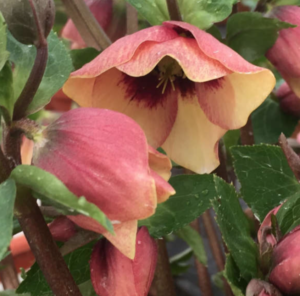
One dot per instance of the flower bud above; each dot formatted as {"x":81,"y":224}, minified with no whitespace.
{"x":29,"y":21}
{"x":285,"y":55}
{"x":286,"y":264}
{"x":113,"y":274}
{"x":62,"y":229}
{"x":289,"y":102}
{"x":261,"y":288}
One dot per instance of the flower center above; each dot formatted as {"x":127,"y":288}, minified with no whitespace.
{"x":169,"y":70}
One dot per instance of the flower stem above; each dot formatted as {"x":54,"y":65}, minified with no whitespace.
{"x":32,"y":83}
{"x":132,"y":19}
{"x":247,"y":137}
{"x":8,"y":273}
{"x":174,"y":11}
{"x":43,"y":246}
{"x":86,"y":24}
{"x":203,"y":275}
{"x":163,"y":281}
{"x":4,"y":167}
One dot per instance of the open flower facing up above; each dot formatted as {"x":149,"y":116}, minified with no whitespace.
{"x":285,"y":55}
{"x":104,"y":156}
{"x":183,"y":87}
{"x":113,"y":274}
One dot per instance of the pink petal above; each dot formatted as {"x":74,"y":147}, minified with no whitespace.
{"x":62,"y":229}
{"x":94,"y":152}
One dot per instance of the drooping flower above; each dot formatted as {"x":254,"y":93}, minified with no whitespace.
{"x":111,"y":20}
{"x":285,"y":55}
{"x":286,"y":263}
{"x":289,"y":102}
{"x":113,"y":274}
{"x":104,"y":156}
{"x":183,"y":87}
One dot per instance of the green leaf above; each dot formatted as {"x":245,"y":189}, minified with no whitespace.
{"x":192,"y":198}
{"x":7,"y":201}
{"x":4,"y":54}
{"x":80,"y":57}
{"x":286,"y":2}
{"x":269,"y":122}
{"x":77,"y":262}
{"x":59,"y":67}
{"x":204,"y":13}
{"x":213,"y":30}
{"x":251,"y":35}
{"x":232,"y":274}
{"x":87,"y":289}
{"x":154,"y":11}
{"x":194,"y":240}
{"x":235,"y":229}
{"x":6,"y":91}
{"x":53,"y":191}
{"x":288,"y":215}
{"x":265,"y":176}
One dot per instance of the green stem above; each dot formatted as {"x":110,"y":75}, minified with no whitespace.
{"x":32,"y":83}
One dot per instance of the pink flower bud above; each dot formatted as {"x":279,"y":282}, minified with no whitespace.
{"x":104,"y":156}
{"x":285,"y":55}
{"x":113,"y":274}
{"x":261,"y":288}
{"x":289,"y":102}
{"x":62,"y":229}
{"x":285,"y":273}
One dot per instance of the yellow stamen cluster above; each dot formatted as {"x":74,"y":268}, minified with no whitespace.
{"x":169,"y":69}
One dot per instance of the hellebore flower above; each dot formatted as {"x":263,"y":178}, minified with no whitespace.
{"x":113,"y":274}
{"x":285,"y":55}
{"x":260,"y":288}
{"x":289,"y":102}
{"x":103,"y":11}
{"x":104,"y":156}
{"x":286,"y":263}
{"x":183,"y":87}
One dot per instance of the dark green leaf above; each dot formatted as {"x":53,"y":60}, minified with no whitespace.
{"x":77,"y":262}
{"x":192,"y":198}
{"x":235,"y":229}
{"x":251,"y":35}
{"x":213,"y":30}
{"x":232,"y":274}
{"x":80,"y":57}
{"x":6,"y":90}
{"x":87,"y":289}
{"x":288,"y":215}
{"x":7,"y":202}
{"x":12,"y":293}
{"x":59,"y":66}
{"x":53,"y":191}
{"x":154,"y":11}
{"x":269,"y":122}
{"x":265,"y":176}
{"x":194,"y":240}
{"x":203,"y":13}
{"x":4,"y":54}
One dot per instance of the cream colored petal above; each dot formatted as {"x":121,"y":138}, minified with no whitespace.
{"x":193,"y":141}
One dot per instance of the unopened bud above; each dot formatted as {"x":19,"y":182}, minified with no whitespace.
{"x":29,"y":21}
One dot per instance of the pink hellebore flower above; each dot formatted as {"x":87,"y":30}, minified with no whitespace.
{"x":285,"y":272}
{"x":113,"y":274}
{"x":289,"y":102}
{"x":104,"y":156}
{"x":285,"y":55}
{"x":103,"y":11}
{"x":183,"y":87}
